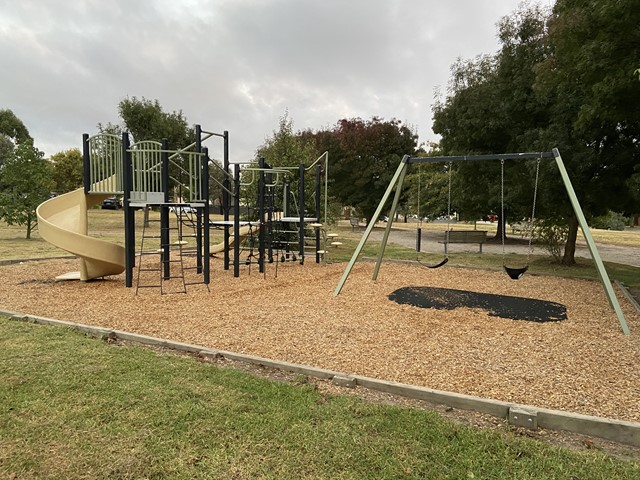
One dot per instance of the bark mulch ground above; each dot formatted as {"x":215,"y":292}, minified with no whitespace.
{"x":582,"y":364}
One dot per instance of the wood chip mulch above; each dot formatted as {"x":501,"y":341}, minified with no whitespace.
{"x":583,"y":364}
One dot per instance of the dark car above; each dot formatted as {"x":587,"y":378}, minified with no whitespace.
{"x":111,"y":203}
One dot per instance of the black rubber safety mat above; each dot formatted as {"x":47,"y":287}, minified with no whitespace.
{"x":503,"y":306}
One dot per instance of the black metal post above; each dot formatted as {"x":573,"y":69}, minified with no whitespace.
{"x":129,"y":213}
{"x":164,"y":213}
{"x":261,"y":195}
{"x":236,"y":221}
{"x":226,"y":198}
{"x":205,"y":214}
{"x":86,"y":163}
{"x":418,"y":238}
{"x":198,"y":148}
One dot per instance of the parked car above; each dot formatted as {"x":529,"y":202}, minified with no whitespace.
{"x":111,"y":203}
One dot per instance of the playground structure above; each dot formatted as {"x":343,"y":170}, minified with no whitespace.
{"x":143,"y":173}
{"x":514,"y":273}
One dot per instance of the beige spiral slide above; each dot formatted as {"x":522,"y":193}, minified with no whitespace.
{"x":63,"y":222}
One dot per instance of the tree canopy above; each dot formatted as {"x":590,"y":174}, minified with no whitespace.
{"x":286,"y":148}
{"x":364,"y":155}
{"x":146,"y":120}
{"x":12,"y":132}
{"x":561,"y":79}
{"x":67,"y":170}
{"x":26,"y":183}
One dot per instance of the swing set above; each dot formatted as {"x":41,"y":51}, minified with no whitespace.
{"x":513,"y":272}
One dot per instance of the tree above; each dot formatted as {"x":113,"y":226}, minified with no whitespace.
{"x":27,"y":182}
{"x":595,"y":107}
{"x":146,"y":120}
{"x":12,"y":127}
{"x":12,"y":132}
{"x":286,"y":148}
{"x":67,"y":170}
{"x":491,"y":107}
{"x":364,"y":156}
{"x":6,"y":147}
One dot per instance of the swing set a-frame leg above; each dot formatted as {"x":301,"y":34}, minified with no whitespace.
{"x":400,"y":171}
{"x":602,"y":273}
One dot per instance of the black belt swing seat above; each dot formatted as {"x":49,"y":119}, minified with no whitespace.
{"x":446,"y":258}
{"x":517,"y":273}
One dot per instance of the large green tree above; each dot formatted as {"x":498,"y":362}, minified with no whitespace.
{"x":67,"y":170}
{"x":595,"y":108}
{"x":491,"y":108}
{"x":26,"y":182}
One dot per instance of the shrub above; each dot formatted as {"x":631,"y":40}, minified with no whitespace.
{"x":610,"y":221}
{"x":552,"y":235}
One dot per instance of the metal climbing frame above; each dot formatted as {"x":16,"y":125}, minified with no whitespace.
{"x":398,"y":179}
{"x":140,"y":172}
{"x":102,"y":163}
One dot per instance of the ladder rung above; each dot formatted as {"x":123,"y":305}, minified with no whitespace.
{"x":149,"y":286}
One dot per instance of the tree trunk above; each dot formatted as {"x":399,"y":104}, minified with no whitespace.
{"x":570,"y":247}
{"x":500,"y":227}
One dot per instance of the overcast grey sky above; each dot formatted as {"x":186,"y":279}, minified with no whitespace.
{"x":234,"y":65}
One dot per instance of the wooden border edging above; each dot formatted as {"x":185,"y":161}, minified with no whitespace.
{"x":625,"y":291}
{"x":620,"y":431}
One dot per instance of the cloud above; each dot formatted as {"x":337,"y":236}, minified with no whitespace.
{"x":234,"y":65}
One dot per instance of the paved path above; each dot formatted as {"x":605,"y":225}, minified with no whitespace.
{"x":407,"y":238}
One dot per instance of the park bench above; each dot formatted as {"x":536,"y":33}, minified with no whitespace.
{"x":464,"y":236}
{"x":523,"y":229}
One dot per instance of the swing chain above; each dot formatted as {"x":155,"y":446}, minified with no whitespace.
{"x":502,"y":221}
{"x":533,"y":210}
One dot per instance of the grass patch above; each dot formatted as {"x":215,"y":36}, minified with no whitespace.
{"x":75,"y":407}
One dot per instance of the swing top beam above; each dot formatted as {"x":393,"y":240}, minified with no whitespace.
{"x":498,"y":156}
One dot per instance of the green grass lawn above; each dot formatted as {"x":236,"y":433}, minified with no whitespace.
{"x":76,"y":407}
